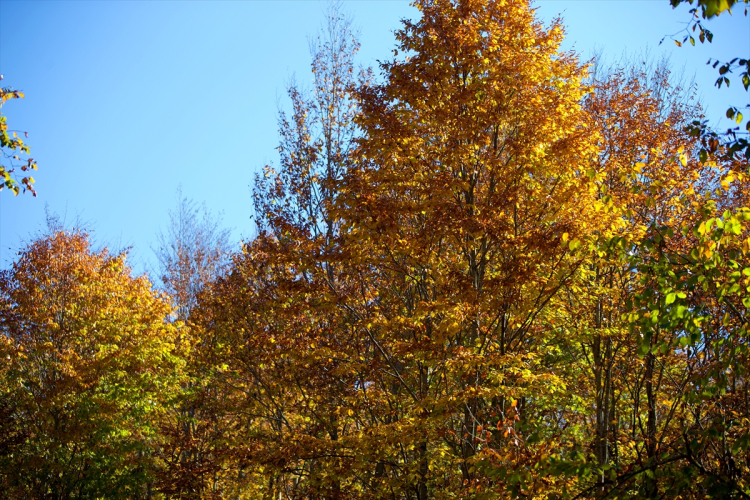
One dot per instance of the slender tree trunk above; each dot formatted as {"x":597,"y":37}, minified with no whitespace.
{"x":423,"y":471}
{"x":424,"y":468}
{"x":651,"y":442}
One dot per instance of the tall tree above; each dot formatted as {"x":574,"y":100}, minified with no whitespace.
{"x":192,"y":253}
{"x":272,"y":332}
{"x":649,"y":176}
{"x":470,"y":198}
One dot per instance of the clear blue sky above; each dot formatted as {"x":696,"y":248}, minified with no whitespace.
{"x":126,"y":100}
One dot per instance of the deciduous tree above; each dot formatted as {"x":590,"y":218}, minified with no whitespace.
{"x":90,"y":365}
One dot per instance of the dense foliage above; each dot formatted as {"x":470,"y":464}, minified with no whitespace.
{"x":494,"y":272}
{"x":90,"y":367}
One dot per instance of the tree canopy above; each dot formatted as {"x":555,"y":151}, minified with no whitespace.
{"x":90,"y":367}
{"x":494,"y":271}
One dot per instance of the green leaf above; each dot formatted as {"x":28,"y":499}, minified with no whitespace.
{"x":703,"y":155}
{"x":680,"y":312}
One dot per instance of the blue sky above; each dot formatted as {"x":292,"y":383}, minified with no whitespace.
{"x":127,"y":100}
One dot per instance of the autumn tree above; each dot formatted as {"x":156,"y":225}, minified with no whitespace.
{"x":648,"y":175}
{"x":470,"y":197}
{"x":90,"y":365}
{"x":623,"y":355}
{"x":192,"y":253}
{"x":282,"y":399}
{"x":416,"y":351}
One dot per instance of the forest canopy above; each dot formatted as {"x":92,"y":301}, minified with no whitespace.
{"x":492,"y":270}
